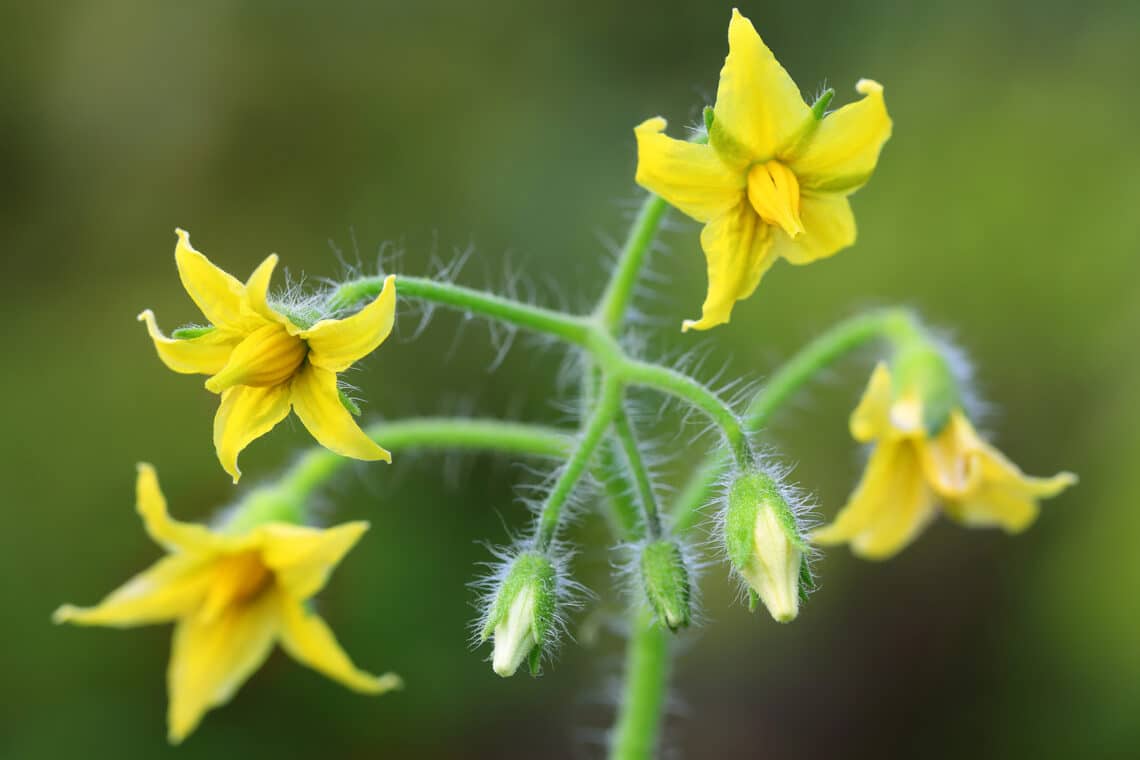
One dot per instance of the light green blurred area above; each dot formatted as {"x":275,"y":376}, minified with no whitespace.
{"x":1004,"y":210}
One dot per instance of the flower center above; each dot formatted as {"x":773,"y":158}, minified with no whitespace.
{"x":268,"y":356}
{"x":237,"y":580}
{"x":774,"y":193}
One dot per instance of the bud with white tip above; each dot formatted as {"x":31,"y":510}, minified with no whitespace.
{"x":764,"y":543}
{"x":521,"y":613}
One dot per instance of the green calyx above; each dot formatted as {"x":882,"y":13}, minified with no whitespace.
{"x":529,"y":571}
{"x":819,"y":107}
{"x":750,"y":493}
{"x":920,"y":367}
{"x":191,"y":332}
{"x":665,"y":579}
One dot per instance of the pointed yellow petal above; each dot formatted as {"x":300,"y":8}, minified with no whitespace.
{"x":203,"y":355}
{"x":688,"y":175}
{"x":171,"y":534}
{"x":951,"y":460}
{"x":308,"y":639}
{"x":317,"y":403}
{"x":828,"y":227}
{"x":737,"y":246}
{"x":268,"y":356}
{"x":759,"y":110}
{"x":217,"y":294}
{"x":871,"y":420}
{"x":168,"y":589}
{"x":993,"y":506}
{"x":256,"y":301}
{"x":211,"y":659}
{"x":335,"y":344}
{"x":889,"y":508}
{"x":842,"y":153}
{"x":303,"y":558}
{"x":244,"y":415}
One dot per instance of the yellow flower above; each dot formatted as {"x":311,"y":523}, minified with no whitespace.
{"x":912,"y":473}
{"x":773,"y":179}
{"x":263,"y":364}
{"x":231,"y":597}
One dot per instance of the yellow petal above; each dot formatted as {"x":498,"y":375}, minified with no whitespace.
{"x":737,"y":246}
{"x":688,"y":175}
{"x":308,"y":639}
{"x":245,"y":414}
{"x":256,"y":301}
{"x":211,"y":659}
{"x":335,"y":344}
{"x":203,"y":355}
{"x":828,"y":227}
{"x":871,"y":420}
{"x":842,"y":153}
{"x":171,"y":534}
{"x":218,"y":294}
{"x":168,"y":589}
{"x":268,"y":356}
{"x":759,"y":110}
{"x":303,"y":558}
{"x":951,"y":460}
{"x":889,"y":508}
{"x":317,"y":403}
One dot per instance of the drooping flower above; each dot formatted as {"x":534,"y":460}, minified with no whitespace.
{"x":772,"y":181}
{"x":231,"y":597}
{"x":263,"y":363}
{"x":915,"y":472}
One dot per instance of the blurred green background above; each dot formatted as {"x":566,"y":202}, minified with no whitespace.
{"x":1004,"y":210}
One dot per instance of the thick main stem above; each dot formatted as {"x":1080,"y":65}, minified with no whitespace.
{"x":642,"y":706}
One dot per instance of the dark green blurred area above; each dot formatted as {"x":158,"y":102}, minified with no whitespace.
{"x":1004,"y":210}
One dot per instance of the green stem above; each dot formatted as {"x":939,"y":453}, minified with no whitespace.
{"x":625,"y":514}
{"x":285,"y":500}
{"x":565,"y":326}
{"x":593,"y":432}
{"x":643,"y":699}
{"x":618,"y":293}
{"x":895,"y":325}
{"x":636,"y":465}
{"x":684,"y":387}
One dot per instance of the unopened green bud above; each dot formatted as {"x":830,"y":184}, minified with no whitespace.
{"x":522,"y":613}
{"x":764,"y":543}
{"x":666,"y":581}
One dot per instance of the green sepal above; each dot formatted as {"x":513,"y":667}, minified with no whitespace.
{"x":665,"y":579}
{"x":819,"y":107}
{"x":920,"y":366}
{"x":534,"y":661}
{"x":709,"y":116}
{"x":749,"y":494}
{"x":526,"y":568}
{"x":348,"y":403}
{"x":190,"y":332}
{"x":807,"y":581}
{"x":753,"y":600}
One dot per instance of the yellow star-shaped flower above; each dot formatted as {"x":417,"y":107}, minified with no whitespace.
{"x":263,"y":364}
{"x":231,"y":598}
{"x":912,"y":473}
{"x":773,"y":180}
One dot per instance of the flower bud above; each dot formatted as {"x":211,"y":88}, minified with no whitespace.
{"x":666,"y":581}
{"x":521,"y":613}
{"x":764,"y":543}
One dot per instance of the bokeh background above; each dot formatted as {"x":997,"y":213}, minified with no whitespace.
{"x":1004,"y":210}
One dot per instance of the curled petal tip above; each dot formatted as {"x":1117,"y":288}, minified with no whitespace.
{"x":868,"y":87}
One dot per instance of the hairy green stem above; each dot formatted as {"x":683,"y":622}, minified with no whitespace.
{"x":894,"y":325}
{"x":612,"y":308}
{"x":592,"y":434}
{"x":684,"y":387}
{"x":639,"y":473}
{"x":642,"y":705}
{"x":624,"y":511}
{"x":565,"y":326}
